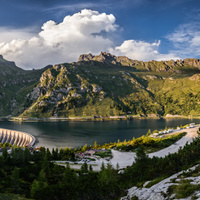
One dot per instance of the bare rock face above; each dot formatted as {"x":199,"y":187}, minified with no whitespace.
{"x":35,"y":93}
{"x":195,"y":77}
{"x":47,"y":74}
{"x":96,"y":88}
{"x":104,"y":57}
{"x":57,"y":67}
{"x":86,"y":57}
{"x":193,"y":62}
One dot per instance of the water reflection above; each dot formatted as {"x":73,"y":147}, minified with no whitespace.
{"x":75,"y":134}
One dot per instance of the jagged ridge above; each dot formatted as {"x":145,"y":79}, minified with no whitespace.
{"x":108,"y":58}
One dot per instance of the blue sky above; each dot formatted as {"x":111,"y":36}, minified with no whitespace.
{"x":35,"y":33}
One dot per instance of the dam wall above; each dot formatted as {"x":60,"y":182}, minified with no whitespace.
{"x":16,"y":138}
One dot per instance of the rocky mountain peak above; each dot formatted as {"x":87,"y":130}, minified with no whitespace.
{"x":103,"y":56}
{"x":193,"y":62}
{"x":85,"y":57}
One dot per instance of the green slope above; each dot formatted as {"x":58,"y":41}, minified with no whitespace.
{"x":107,"y":85}
{"x":15,"y":84}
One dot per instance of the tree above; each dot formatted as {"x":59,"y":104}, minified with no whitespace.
{"x":61,"y":153}
{"x":70,"y":181}
{"x":48,"y":153}
{"x":102,"y":166}
{"x":107,"y":179}
{"x":5,"y":153}
{"x":55,"y":154}
{"x":198,"y":132}
{"x":13,"y":154}
{"x":117,"y":166}
{"x":90,"y":168}
{"x":140,"y":155}
{"x":84,"y":147}
{"x":45,"y":165}
{"x":34,"y":188}
{"x":26,"y":155}
{"x":20,"y":155}
{"x":141,"y":162}
{"x":149,"y":132}
{"x":38,"y":185}
{"x":95,"y":144}
{"x":84,"y":168}
{"x":70,"y":177}
{"x":15,"y":179}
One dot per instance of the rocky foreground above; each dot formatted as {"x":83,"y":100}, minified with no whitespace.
{"x":161,"y":190}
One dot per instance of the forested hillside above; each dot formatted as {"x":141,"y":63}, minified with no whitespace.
{"x":15,"y":84}
{"x":35,"y":176}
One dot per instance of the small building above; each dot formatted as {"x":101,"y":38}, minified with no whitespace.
{"x":192,"y":125}
{"x":155,"y":134}
{"x":90,"y":152}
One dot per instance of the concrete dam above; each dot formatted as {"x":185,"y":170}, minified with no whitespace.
{"x":16,"y":137}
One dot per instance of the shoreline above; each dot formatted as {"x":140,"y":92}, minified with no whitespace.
{"x":125,"y":159}
{"x":96,"y":118}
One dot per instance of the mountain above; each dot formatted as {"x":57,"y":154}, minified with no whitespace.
{"x":15,"y":84}
{"x":106,"y":85}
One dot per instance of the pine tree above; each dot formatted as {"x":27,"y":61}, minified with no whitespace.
{"x":84,"y":147}
{"x":34,"y":188}
{"x":95,"y":145}
{"x":15,"y":179}
{"x":5,"y":153}
{"x":45,"y":165}
{"x":84,"y":168}
{"x":90,"y":168}
{"x":26,"y":155}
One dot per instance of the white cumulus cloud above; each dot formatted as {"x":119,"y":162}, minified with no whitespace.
{"x":61,"y":42}
{"x":140,"y":50}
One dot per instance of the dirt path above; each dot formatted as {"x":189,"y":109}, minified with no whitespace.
{"x":124,"y":159}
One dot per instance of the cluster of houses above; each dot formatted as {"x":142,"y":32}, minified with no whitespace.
{"x":89,"y":155}
{"x":161,"y":133}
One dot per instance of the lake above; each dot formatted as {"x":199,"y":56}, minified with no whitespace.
{"x":75,"y":134}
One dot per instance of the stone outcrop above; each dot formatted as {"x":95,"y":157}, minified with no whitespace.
{"x":159,"y":191}
{"x":103,"y":57}
{"x":192,"y":61}
{"x":86,"y":57}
